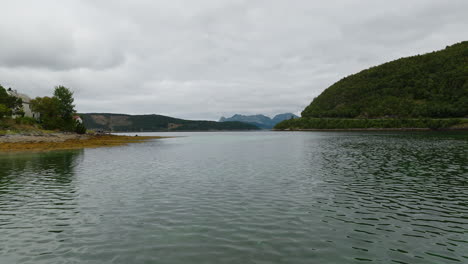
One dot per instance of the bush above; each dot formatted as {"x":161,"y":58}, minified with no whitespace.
{"x":80,"y":128}
{"x":4,"y":111}
{"x":25,"y":121}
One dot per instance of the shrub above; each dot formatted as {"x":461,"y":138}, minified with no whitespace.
{"x":4,"y":111}
{"x":80,"y":128}
{"x":26,"y":121}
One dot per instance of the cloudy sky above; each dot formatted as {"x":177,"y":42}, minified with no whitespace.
{"x":207,"y":58}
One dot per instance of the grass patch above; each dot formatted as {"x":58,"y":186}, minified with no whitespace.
{"x":9,"y":126}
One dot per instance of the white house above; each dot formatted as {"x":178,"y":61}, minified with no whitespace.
{"x":78,"y":119}
{"x":26,"y":103}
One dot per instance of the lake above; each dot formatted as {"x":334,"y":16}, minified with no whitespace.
{"x":241,"y":197}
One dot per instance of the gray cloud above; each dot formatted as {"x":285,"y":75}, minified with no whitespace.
{"x":207,"y":58}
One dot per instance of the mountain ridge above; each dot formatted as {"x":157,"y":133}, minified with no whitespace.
{"x":156,"y":123}
{"x":259,"y":120}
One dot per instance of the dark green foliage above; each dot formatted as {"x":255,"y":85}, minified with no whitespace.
{"x":9,"y":105}
{"x":65,"y":100}
{"x":56,"y":112}
{"x":341,"y":123}
{"x":4,"y":111}
{"x":66,"y":107}
{"x":25,"y":121}
{"x":80,"y":128}
{"x":141,"y":123}
{"x":433,"y":85}
{"x":189,"y":125}
{"x":48,"y":108}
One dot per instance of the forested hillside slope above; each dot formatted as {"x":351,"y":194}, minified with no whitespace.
{"x":148,"y":123}
{"x":433,"y":85}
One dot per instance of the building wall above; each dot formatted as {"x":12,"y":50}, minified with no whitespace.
{"x":27,"y":110}
{"x":26,"y":104}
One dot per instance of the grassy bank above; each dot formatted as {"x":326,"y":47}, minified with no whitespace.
{"x":343,"y":124}
{"x":36,"y":143}
{"x":9,"y":126}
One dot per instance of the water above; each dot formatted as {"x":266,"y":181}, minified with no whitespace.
{"x":252,"y":197}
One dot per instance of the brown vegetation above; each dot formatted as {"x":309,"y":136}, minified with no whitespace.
{"x":68,"y":142}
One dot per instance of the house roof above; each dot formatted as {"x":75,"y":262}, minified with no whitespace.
{"x":26,"y":99}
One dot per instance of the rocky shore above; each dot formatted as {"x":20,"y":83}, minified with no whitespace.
{"x":40,"y":137}
{"x":62,"y":141}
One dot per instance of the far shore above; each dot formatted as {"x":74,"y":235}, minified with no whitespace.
{"x":64,"y":141}
{"x":372,"y":129}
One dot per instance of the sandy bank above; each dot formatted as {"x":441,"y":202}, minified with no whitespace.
{"x":60,"y":141}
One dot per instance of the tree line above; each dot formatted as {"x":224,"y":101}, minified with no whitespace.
{"x":56,"y":112}
{"x":354,"y":123}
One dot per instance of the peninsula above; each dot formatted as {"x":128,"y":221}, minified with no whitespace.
{"x":63,"y":141}
{"x":48,"y":123}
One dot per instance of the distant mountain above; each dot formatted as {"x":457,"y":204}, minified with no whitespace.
{"x":282,"y":117}
{"x":260,"y":121}
{"x":155,"y":123}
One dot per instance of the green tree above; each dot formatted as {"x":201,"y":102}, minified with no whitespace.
{"x":49,"y":110}
{"x":56,"y":112}
{"x":65,"y":99}
{"x":4,"y":111}
{"x":12,"y":104}
{"x":80,"y":128}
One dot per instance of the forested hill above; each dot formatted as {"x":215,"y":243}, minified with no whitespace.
{"x":433,"y":85}
{"x":149,"y":123}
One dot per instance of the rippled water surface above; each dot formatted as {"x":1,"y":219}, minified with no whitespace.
{"x":256,"y":197}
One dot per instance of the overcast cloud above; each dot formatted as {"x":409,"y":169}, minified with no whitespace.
{"x":201,"y":59}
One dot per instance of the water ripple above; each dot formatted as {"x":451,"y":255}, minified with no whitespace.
{"x":241,"y":198}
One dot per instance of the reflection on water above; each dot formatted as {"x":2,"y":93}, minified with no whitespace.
{"x":37,"y":195}
{"x":256,"y":197}
{"x":37,"y":169}
{"x":62,"y":162}
{"x":403,"y":195}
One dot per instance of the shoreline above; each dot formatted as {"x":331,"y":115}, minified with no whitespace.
{"x":374,"y":129}
{"x":65,"y":141}
{"x":389,"y":124}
